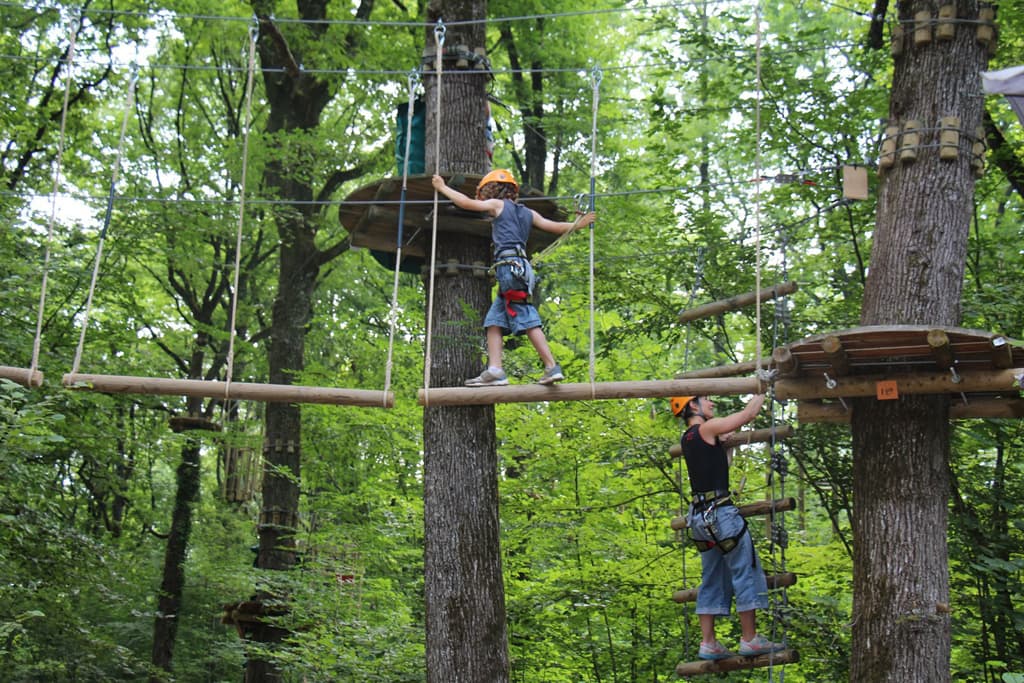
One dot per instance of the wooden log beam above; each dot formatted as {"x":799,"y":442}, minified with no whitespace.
{"x":686,"y":669}
{"x":527,"y":393}
{"x":738,"y":301}
{"x":832,"y":346}
{"x":731,"y":370}
{"x":1002,"y":352}
{"x":922,"y":383}
{"x":761,"y":507}
{"x":745,"y":437}
{"x":783,"y":580}
{"x":26,"y":377}
{"x":785,"y":362}
{"x":942,"y":352}
{"x":975,"y":409}
{"x":270,"y":393}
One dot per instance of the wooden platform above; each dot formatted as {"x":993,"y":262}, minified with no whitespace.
{"x":370,"y":215}
{"x":982,"y":369}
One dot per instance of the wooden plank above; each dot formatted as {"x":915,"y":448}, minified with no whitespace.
{"x":26,"y":377}
{"x":738,"y":301}
{"x":701,"y":667}
{"x":919,"y":383}
{"x":974,"y":409}
{"x":783,"y":580}
{"x":761,"y":507}
{"x":527,"y":393}
{"x":745,"y":437}
{"x":270,"y":393}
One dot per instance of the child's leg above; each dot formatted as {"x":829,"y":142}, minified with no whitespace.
{"x":540,"y":342}
{"x":495,"y":345}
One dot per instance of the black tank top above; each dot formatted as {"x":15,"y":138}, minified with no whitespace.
{"x":707,"y":465}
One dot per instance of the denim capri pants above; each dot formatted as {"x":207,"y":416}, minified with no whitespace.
{"x":725,"y":575}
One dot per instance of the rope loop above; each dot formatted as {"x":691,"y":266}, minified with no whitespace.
{"x":439,"y":30}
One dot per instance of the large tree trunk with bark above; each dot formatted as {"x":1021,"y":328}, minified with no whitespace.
{"x":296,"y":99}
{"x":172,"y":583}
{"x":466,"y":632}
{"x":901,"y":626}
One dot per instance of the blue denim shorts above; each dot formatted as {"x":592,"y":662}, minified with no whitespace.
{"x":737,"y":573}
{"x":526,"y":317}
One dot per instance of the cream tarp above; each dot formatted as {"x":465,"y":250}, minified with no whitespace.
{"x":1008,"y":82}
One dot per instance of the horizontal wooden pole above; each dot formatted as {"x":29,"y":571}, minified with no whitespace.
{"x":738,"y":301}
{"x":761,"y":507}
{"x":974,"y":409}
{"x":920,"y":383}
{"x":269,"y":393}
{"x":735,"y":663}
{"x":731,"y":370}
{"x":745,"y":437}
{"x":783,"y":580}
{"x":527,"y":393}
{"x":24,"y":376}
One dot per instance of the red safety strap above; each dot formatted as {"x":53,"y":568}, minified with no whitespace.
{"x":514,"y":295}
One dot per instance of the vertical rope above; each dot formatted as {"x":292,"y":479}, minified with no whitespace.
{"x":595,"y":81}
{"x":393,"y":313}
{"x":241,"y":210}
{"x":439,"y":32}
{"x":57,"y":169}
{"x":757,"y":194}
{"x":128,"y":100}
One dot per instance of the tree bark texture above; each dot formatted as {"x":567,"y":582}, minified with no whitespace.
{"x":296,"y":101}
{"x":466,"y":634}
{"x":901,"y":626}
{"x":172,"y":583}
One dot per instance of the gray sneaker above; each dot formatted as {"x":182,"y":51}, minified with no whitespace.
{"x":759,"y":646}
{"x":488,"y":379}
{"x":552,"y":375}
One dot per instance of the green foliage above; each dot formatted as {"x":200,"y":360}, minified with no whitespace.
{"x":587,"y":488}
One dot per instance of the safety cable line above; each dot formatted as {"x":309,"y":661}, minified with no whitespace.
{"x":370,"y":22}
{"x":328,"y":203}
{"x":393,"y":312}
{"x":740,"y":52}
{"x":128,"y":100}
{"x":595,"y":82}
{"x":57,"y":169}
{"x":253,"y":35}
{"x":439,"y":31}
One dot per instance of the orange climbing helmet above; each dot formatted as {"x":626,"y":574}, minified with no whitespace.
{"x":498,"y":175}
{"x":679,"y":403}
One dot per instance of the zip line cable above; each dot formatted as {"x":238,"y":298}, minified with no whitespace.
{"x":87,"y":11}
{"x":439,"y":32}
{"x":740,"y":53}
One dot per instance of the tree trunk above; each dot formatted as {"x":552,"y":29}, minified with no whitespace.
{"x":296,"y":100}
{"x":901,"y":627}
{"x":172,"y":585}
{"x":466,"y":636}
